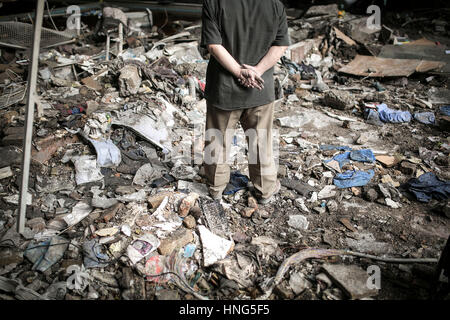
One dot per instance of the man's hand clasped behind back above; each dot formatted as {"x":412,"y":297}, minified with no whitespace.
{"x":250,"y":77}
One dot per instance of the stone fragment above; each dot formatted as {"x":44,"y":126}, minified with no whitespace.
{"x":156,"y":199}
{"x":371,"y":195}
{"x":111,"y":212}
{"x":189,"y":222}
{"x":107,"y":232}
{"x":187,"y":203}
{"x":179,"y":238}
{"x":339,"y":99}
{"x":351,"y":279}
{"x":37,"y":224}
{"x":252,"y":202}
{"x":247,"y":212}
{"x":387,"y":161}
{"x":129,"y":80}
{"x":298,"y":222}
{"x":327,"y":192}
{"x":298,"y":283}
{"x":5,"y":173}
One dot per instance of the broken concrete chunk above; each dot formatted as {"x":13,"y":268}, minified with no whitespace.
{"x":129,"y":80}
{"x":107,"y":232}
{"x":187,"y":203}
{"x":247,"y":212}
{"x":298,"y":283}
{"x":387,"y":161}
{"x":156,"y":199}
{"x":111,"y":212}
{"x":298,"y":222}
{"x":350,"y":278}
{"x":327,"y":192}
{"x":79,"y":212}
{"x":189,"y":222}
{"x":10,"y":256}
{"x":178,"y":239}
{"x":5,"y":173}
{"x":339,"y":99}
{"x":215,"y":248}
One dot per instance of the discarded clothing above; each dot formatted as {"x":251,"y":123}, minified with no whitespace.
{"x":93,"y":257}
{"x":45,"y":254}
{"x":428,"y":186}
{"x":351,"y":178}
{"x":364,"y":155}
{"x":372,"y":117}
{"x":237,"y":182}
{"x":392,"y":116}
{"x":445,"y":110}
{"x":425,"y":117}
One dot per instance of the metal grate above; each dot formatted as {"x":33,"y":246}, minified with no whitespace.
{"x":20,"y":35}
{"x":12,"y":94}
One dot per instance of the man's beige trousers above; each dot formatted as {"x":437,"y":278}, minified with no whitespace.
{"x":257,"y":123}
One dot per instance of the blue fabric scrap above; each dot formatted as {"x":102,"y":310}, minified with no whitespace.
{"x":445,"y":110}
{"x":428,"y":186}
{"x":392,"y":116}
{"x":237,"y":182}
{"x":425,"y":117}
{"x":364,"y":155}
{"x":353,"y":178}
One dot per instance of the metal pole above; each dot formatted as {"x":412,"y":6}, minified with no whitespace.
{"x":32,"y":78}
{"x":120,"y":39}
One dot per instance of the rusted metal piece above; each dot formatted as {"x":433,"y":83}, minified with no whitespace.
{"x":368,"y":66}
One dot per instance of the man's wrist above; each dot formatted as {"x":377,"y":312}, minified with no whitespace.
{"x":259,"y":72}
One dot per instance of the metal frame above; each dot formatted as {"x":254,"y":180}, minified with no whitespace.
{"x":32,"y":79}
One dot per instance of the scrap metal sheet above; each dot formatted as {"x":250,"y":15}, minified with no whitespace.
{"x":369,"y":66}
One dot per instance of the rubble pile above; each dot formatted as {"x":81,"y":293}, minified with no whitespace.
{"x":118,"y":205}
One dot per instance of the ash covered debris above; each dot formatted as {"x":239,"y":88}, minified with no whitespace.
{"x":117,"y":189}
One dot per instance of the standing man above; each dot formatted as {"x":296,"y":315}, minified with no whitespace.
{"x":246,"y":38}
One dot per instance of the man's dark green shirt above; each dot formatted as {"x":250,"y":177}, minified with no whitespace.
{"x":247,"y":29}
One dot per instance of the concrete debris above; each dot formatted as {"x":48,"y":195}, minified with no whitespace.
{"x":117,"y":187}
{"x":352,"y":279}
{"x":215,"y":248}
{"x":298,"y":222}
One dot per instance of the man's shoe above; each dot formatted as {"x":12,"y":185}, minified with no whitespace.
{"x":216,"y":195}
{"x":267,"y":200}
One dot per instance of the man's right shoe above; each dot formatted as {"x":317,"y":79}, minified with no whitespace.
{"x":270,"y":198}
{"x":216,"y":195}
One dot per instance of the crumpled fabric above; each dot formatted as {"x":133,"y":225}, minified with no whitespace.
{"x":428,"y":186}
{"x":372,"y":117}
{"x":445,"y":110}
{"x":364,"y":155}
{"x":352,"y":178}
{"x":237,"y":182}
{"x":93,"y":256}
{"x":425,"y":117}
{"x":392,"y":116}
